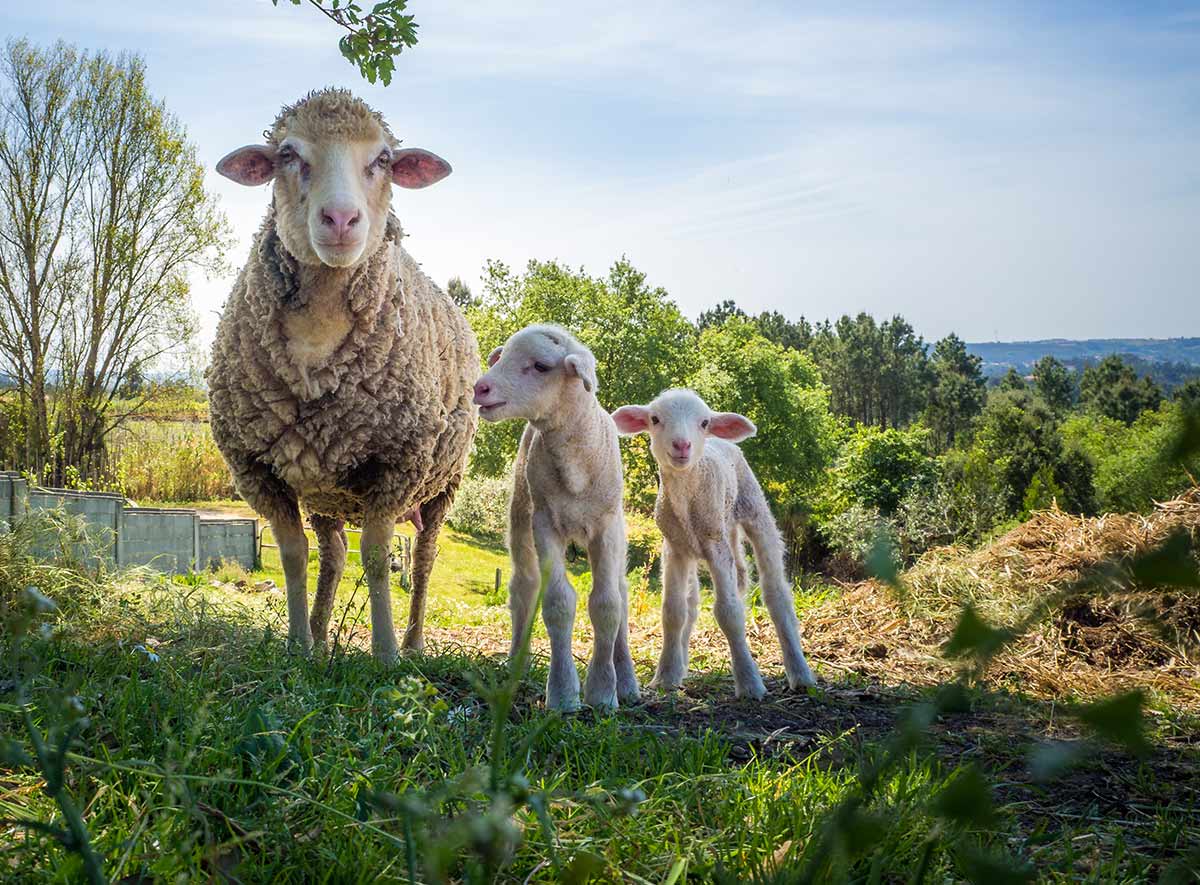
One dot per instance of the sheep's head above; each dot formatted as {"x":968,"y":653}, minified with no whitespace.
{"x":333,"y":162}
{"x":533,"y":374}
{"x":679,"y":422}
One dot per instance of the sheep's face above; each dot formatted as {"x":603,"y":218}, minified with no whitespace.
{"x":679,"y":422}
{"x":533,"y":373}
{"x":333,"y":163}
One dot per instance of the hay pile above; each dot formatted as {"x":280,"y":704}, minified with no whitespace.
{"x":1096,"y":643}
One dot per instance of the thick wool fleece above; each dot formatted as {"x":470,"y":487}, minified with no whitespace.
{"x":381,"y":426}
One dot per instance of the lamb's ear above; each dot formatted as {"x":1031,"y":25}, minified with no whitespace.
{"x":251,"y":165}
{"x":582,"y":366}
{"x":413,"y":168}
{"x":631,"y":420}
{"x":494,"y":356}
{"x":731,"y":426}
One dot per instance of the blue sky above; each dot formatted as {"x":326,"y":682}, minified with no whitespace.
{"x":1000,"y":170}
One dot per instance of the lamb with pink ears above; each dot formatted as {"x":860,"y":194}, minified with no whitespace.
{"x":567,"y":486}
{"x":708,"y":496}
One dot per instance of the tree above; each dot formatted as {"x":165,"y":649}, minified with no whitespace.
{"x":106,"y":216}
{"x":958,"y":394}
{"x":372,"y":39}
{"x":877,"y":467}
{"x":716,"y":316}
{"x":878,"y":373}
{"x":774,"y":326}
{"x":460,"y":293}
{"x":43,"y":152}
{"x":1188,"y":394}
{"x":1012,"y":380}
{"x":1019,"y":432}
{"x":1055,"y":384}
{"x":1112,"y":388}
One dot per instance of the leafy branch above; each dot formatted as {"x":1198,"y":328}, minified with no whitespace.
{"x":372,"y":39}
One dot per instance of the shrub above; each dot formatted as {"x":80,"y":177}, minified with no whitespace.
{"x":168,"y":461}
{"x":481,"y":506}
{"x":878,"y":467}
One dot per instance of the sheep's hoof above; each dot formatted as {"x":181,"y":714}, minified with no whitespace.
{"x":666,"y":684}
{"x":629,"y":693}
{"x":563,"y":704}
{"x":801,"y":681}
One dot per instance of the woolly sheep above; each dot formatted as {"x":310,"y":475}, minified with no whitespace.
{"x":341,"y":376}
{"x":708,"y":496}
{"x":567,"y":486}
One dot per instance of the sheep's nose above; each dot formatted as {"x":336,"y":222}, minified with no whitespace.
{"x":482,"y":389}
{"x":681,"y":446}
{"x":340,"y":220}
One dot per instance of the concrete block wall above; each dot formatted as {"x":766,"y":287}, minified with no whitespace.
{"x":120,"y":534}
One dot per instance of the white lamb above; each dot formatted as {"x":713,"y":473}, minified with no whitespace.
{"x":707,"y":497}
{"x":567,"y":486}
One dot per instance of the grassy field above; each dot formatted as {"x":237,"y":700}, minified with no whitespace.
{"x":210,"y":752}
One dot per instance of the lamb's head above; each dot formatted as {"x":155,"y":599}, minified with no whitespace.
{"x":333,"y":162}
{"x":679,"y":422}
{"x":535,"y":374}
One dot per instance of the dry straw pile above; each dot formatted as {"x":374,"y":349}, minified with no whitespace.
{"x":1098,"y":642}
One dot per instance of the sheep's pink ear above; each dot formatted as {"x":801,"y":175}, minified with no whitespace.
{"x":494,"y":356}
{"x":582,"y":367}
{"x":631,"y":420}
{"x":251,"y":165}
{"x":413,"y":168}
{"x":731,"y":426}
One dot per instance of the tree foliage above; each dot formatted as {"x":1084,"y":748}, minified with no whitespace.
{"x":1055,"y":384}
{"x":1113,"y":389}
{"x":373,"y":38}
{"x":958,"y":394}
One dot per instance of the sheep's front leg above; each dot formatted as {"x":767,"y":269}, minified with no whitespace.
{"x":375,"y":546}
{"x":628,"y":689}
{"x":672,"y":663}
{"x":293,"y":553}
{"x":605,"y":553}
{"x":731,"y":617}
{"x":331,"y":544}
{"x":558,"y":613}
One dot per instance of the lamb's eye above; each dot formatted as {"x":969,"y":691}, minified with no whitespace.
{"x":704,"y":424}
{"x":286,"y":155}
{"x":383,"y":159}
{"x":653,"y":419}
{"x":541,"y":367}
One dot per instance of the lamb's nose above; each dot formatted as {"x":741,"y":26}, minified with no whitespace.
{"x":340,"y":220}
{"x":482,"y":389}
{"x":682,"y":446}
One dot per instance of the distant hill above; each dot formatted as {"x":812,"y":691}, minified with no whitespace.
{"x":1170,"y":361}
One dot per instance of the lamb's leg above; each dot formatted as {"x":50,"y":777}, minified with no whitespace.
{"x":431,"y":516}
{"x":672,"y":663}
{"x":777,"y":595}
{"x":558,"y":612}
{"x":526,"y":576}
{"x":730,"y":610}
{"x":606,"y":554}
{"x":628,"y":689}
{"x":375,"y":544}
{"x":331,"y":544}
{"x":293,"y":553}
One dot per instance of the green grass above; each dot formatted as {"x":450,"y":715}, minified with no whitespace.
{"x":212,"y":753}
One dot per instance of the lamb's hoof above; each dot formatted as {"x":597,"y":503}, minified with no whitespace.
{"x":667,"y":684}
{"x":563,"y":704}
{"x":300,"y":646}
{"x":753,"y":689}
{"x":413,"y":646}
{"x":601,"y":699}
{"x":629,"y":693}
{"x":801,"y":681}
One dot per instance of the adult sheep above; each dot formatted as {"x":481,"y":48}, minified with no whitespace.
{"x":341,"y":377}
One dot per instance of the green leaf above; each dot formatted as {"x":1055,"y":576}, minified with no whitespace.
{"x":1119,"y":719}
{"x":989,"y":868}
{"x":974,"y":637}
{"x":1171,"y":564}
{"x":582,"y":867}
{"x":882,"y":560}
{"x":856,"y":830}
{"x":952,"y":698}
{"x":1051,"y":760}
{"x":966,"y":799}
{"x":13,"y":755}
{"x":1183,"y":870}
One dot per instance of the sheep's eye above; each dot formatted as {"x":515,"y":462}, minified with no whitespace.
{"x":383,"y":159}
{"x":704,"y":424}
{"x":541,"y":367}
{"x":287,"y":155}
{"x":653,"y":419}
